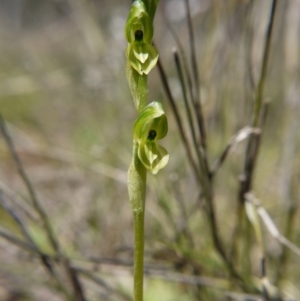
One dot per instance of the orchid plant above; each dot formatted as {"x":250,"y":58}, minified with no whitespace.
{"x":150,"y":126}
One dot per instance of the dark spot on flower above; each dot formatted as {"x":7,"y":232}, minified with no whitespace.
{"x":139,"y":35}
{"x":151,"y":135}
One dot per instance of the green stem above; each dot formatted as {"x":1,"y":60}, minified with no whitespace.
{"x":138,"y":87}
{"x":137,"y":176}
{"x":138,"y":256}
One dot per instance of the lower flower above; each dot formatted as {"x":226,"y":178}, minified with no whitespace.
{"x":151,"y":126}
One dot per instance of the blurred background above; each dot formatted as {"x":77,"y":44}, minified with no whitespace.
{"x":68,"y":109}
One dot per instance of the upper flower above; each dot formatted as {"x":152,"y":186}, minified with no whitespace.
{"x":141,"y":54}
{"x":151,"y":126}
{"x":138,"y":21}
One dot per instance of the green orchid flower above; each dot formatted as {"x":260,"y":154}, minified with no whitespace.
{"x":141,"y":54}
{"x":142,"y":57}
{"x":139,"y":25}
{"x":151,"y":126}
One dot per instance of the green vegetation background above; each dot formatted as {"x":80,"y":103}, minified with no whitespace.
{"x":64,"y":96}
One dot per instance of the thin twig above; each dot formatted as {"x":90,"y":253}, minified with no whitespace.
{"x":249,"y":33}
{"x":13,"y":214}
{"x":16,"y":241}
{"x":203,"y":166}
{"x":187,"y":107}
{"x":252,"y":146}
{"x":184,"y":60}
{"x":183,"y":224}
{"x":78,"y":292}
{"x":44,"y":259}
{"x":30,"y":245}
{"x":239,"y":137}
{"x":204,"y":181}
{"x":18,"y":201}
{"x":181,"y":227}
{"x":203,"y":178}
{"x":288,"y":232}
{"x":196,"y":94}
{"x":270,"y":225}
{"x":265,"y":61}
{"x":189,"y":279}
{"x":248,"y":297}
{"x":88,"y":274}
{"x":29,"y":186}
{"x":177,"y":118}
{"x":264,"y":280}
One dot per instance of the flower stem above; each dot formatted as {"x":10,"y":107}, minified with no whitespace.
{"x":137,"y":176}
{"x":138,"y":87}
{"x":138,"y":255}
